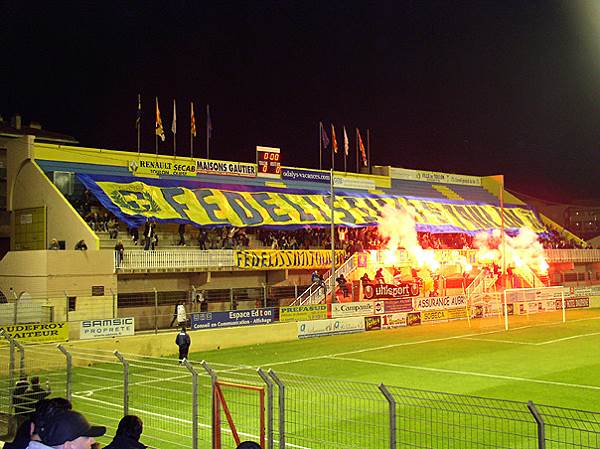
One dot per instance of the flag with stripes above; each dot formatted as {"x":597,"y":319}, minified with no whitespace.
{"x":324,"y":138}
{"x":192,"y":120}
{"x":346,"y":142}
{"x":334,"y":145}
{"x":362,"y":149}
{"x":174,"y":122}
{"x":160,"y":132}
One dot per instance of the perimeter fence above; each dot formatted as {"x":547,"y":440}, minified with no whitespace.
{"x":199,"y":405}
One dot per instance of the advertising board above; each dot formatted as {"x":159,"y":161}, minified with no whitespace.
{"x":392,"y":306}
{"x":372,"y":323}
{"x":307,"y":329}
{"x":393,"y":320}
{"x":303,"y":313}
{"x":249,"y":317}
{"x":439,"y":302}
{"x":109,"y":327}
{"x":434,"y":315}
{"x":161,"y":166}
{"x":226,"y":168}
{"x":400,"y":290}
{"x":351,"y":309}
{"x":38,"y":332}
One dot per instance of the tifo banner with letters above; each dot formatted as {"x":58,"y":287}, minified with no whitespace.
{"x":331,"y":327}
{"x":270,"y":259}
{"x":109,"y":327}
{"x":38,"y":332}
{"x":249,"y":317}
{"x":303,"y":313}
{"x":202,"y":204}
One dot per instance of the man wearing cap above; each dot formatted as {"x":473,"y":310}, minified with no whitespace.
{"x":67,"y":430}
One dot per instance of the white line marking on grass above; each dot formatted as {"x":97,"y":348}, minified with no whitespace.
{"x":95,"y":390}
{"x":568,"y":338}
{"x":493,"y":340}
{"x":469,"y":373}
{"x":181,"y":420}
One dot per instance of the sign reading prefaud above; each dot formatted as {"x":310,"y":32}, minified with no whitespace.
{"x":108,"y":327}
{"x":226,"y":168}
{"x":162,"y":166}
{"x":249,"y":317}
{"x":304,"y":313}
{"x":400,"y":290}
{"x":38,"y":333}
{"x":280,"y":259}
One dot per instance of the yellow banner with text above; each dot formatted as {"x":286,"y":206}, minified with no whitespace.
{"x":272,"y":259}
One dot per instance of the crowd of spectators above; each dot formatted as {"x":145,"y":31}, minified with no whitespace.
{"x":554,"y":239}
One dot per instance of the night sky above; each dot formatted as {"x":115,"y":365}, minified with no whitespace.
{"x":471,"y":87}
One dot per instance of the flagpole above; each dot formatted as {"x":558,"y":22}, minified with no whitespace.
{"x":369,"y":148}
{"x":155,"y":128}
{"x":320,"y":145}
{"x":207,"y":135}
{"x":333,"y":144}
{"x":191,"y":131}
{"x":139,"y":122}
{"x":174,"y":129}
{"x":357,"y":149}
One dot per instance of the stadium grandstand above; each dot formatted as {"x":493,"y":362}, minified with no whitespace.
{"x":105,"y":244}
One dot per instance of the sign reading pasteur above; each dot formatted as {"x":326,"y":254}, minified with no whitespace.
{"x":38,"y":332}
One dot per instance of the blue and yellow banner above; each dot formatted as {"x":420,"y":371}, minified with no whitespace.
{"x":234,"y":205}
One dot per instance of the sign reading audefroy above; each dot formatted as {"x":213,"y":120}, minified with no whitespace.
{"x":108,"y":327}
{"x":321,"y":328}
{"x":249,"y":317}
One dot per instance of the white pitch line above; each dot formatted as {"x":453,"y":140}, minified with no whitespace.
{"x":568,"y":338}
{"x":181,"y":420}
{"x":493,"y":340}
{"x":95,"y":390}
{"x":469,"y":373}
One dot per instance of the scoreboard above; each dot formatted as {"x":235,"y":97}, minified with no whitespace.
{"x":269,"y":161}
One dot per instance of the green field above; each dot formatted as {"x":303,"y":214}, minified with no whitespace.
{"x":539,"y":359}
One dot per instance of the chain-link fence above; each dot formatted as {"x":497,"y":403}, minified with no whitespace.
{"x":214,"y":405}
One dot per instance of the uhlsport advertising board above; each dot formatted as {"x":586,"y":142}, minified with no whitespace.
{"x":109,"y":327}
{"x":232,"y":318}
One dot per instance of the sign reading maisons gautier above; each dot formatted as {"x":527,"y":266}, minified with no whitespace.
{"x":226,"y":168}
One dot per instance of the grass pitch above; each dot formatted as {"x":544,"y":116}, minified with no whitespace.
{"x":540,"y":359}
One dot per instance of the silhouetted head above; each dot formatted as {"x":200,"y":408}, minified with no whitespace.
{"x":130,"y":426}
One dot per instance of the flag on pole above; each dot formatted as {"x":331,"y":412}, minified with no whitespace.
{"x":138,"y":118}
{"x":160,"y":132}
{"x":346,"y":143}
{"x":334,"y":145}
{"x":324,"y":138}
{"x":362,"y":149}
{"x":174,"y":123}
{"x":192,"y":120}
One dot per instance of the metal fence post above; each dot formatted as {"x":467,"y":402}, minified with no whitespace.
{"x":191,"y":369}
{"x":231,"y":299}
{"x":114,"y":302}
{"x":266,"y":379}
{"x":66,"y":306}
{"x":69,"y":371}
{"x":281,"y":406}
{"x":155,"y":310}
{"x":213,"y":381}
{"x":125,"y":381}
{"x":541,"y":430}
{"x":392,"y":413}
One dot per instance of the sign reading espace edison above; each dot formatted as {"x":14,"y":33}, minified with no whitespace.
{"x":109,"y":327}
{"x":249,"y":317}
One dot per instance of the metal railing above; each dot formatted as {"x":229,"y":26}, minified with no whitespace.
{"x":314,"y":293}
{"x":178,"y":406}
{"x":138,"y":259}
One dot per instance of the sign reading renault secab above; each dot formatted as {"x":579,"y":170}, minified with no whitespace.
{"x":156,"y":167}
{"x":109,"y":327}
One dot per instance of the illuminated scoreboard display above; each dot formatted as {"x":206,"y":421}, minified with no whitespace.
{"x":269,"y":161}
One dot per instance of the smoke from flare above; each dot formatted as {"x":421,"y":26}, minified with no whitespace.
{"x":399,"y":226}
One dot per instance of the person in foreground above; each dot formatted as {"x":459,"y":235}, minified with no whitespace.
{"x":248,"y":445}
{"x":128,"y":434}
{"x":66,"y":430}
